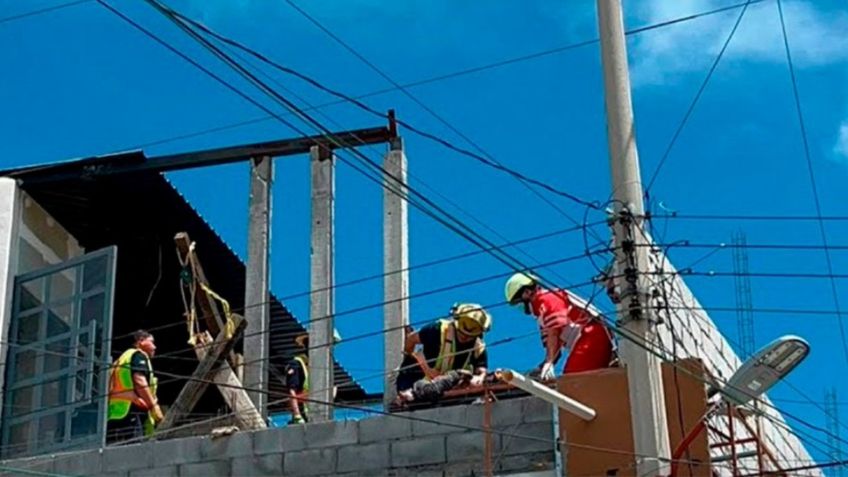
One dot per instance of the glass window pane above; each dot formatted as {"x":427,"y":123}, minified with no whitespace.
{"x":51,"y":429}
{"x":19,"y":441}
{"x":62,"y":284}
{"x":60,"y":319}
{"x":92,"y":309}
{"x":25,"y":364}
{"x":31,"y":294}
{"x":54,"y":393}
{"x":28,"y":329}
{"x":23,"y":401}
{"x":94,"y":273}
{"x":58,"y":355}
{"x":84,"y":420}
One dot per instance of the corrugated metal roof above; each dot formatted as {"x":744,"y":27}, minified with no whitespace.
{"x":141,"y":213}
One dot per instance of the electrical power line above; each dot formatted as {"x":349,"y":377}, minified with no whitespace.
{"x":455,"y":74}
{"x":694,"y":102}
{"x":487,"y":157}
{"x":499,"y":257}
{"x":42,"y":11}
{"x":813,"y":186}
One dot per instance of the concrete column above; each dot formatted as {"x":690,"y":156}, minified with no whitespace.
{"x":395,"y":266}
{"x":256,"y":297}
{"x":647,"y":400}
{"x":322,"y":302}
{"x":10,"y":214}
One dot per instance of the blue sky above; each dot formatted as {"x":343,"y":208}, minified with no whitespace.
{"x":79,"y":82}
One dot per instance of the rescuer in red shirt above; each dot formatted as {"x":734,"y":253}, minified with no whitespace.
{"x":565,"y":323}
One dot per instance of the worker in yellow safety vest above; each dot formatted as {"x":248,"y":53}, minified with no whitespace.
{"x":133,"y":407}
{"x":454,"y":344}
{"x":297,"y":380}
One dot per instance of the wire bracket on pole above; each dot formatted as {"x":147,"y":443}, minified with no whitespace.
{"x":628,"y":283}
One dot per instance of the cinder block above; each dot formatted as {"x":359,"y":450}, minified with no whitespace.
{"x":227,"y":447}
{"x":170,"y":471}
{"x":506,"y":413}
{"x":176,"y":451}
{"x":331,"y":434}
{"x":469,"y":446}
{"x":126,"y":458}
{"x":533,"y":462}
{"x":536,"y":410}
{"x":430,"y":422}
{"x":420,"y":471}
{"x":464,"y":469}
{"x":386,"y":428}
{"x":310,"y":462}
{"x":370,"y":457}
{"x":258,"y":466}
{"x":217,"y":468}
{"x":528,"y":438}
{"x":420,"y":451}
{"x":79,"y":463}
{"x":274,"y":441}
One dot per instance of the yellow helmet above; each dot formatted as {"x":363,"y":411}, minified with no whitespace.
{"x":514,"y":285}
{"x":471,"y":318}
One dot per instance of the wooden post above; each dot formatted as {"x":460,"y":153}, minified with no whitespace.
{"x":209,"y":353}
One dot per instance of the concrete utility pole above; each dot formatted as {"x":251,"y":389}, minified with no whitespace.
{"x":395,"y":265}
{"x":322,"y":303}
{"x":647,"y":401}
{"x":256,"y":296}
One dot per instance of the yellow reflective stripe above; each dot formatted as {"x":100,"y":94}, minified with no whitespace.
{"x":302,"y":362}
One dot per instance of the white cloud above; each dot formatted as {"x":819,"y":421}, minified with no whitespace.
{"x":816,"y":37}
{"x":841,"y":146}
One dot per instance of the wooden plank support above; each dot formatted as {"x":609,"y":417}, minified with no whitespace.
{"x":246,"y":416}
{"x":199,"y":380}
{"x":208,"y":307}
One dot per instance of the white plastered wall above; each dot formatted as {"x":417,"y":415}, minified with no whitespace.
{"x":29,"y":239}
{"x":9,"y":214}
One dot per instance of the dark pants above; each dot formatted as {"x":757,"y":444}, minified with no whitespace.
{"x":130,"y":427}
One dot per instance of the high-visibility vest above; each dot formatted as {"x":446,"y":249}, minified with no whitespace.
{"x":444,"y":362}
{"x":122,"y":393}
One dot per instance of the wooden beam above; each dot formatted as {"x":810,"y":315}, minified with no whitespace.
{"x":199,"y":380}
{"x":208,"y":307}
{"x":246,"y":416}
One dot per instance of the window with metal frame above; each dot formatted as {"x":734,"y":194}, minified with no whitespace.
{"x":58,"y":357}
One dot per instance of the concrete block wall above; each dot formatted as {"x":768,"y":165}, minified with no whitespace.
{"x":424,"y":443}
{"x":690,"y":330}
